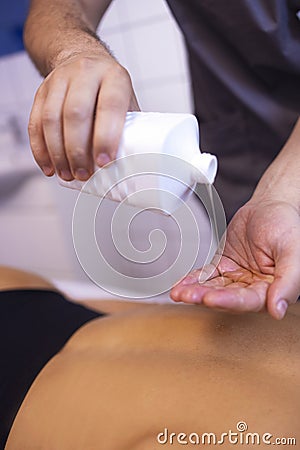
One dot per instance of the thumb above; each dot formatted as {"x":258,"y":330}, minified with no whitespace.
{"x":285,"y":288}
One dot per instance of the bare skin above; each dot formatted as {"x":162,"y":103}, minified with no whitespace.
{"x":77,"y":121}
{"x":11,"y":278}
{"x":79,"y":110}
{"x":259,"y":268}
{"x":123,"y":379}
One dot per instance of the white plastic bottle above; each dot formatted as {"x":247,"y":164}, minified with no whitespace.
{"x":158,"y":163}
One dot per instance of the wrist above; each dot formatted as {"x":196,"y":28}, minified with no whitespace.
{"x":59,"y":43}
{"x":281,"y":181}
{"x":277,"y":188}
{"x":89,"y":48}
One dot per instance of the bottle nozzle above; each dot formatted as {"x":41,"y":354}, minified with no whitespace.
{"x":206,"y":166}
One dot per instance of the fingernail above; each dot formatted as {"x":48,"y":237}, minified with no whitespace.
{"x":66,"y":175}
{"x":281,"y":308}
{"x":82,"y":174}
{"x":47,"y":170}
{"x":103,"y":159}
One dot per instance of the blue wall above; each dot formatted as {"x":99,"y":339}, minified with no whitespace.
{"x":12,"y":17}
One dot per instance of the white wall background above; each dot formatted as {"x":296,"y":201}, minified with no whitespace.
{"x":35,"y":213}
{"x":145,"y":39}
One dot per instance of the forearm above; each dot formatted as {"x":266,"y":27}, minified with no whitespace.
{"x":282,"y":179}
{"x":58,"y":29}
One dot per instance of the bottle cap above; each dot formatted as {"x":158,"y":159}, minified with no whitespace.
{"x":206,"y":166}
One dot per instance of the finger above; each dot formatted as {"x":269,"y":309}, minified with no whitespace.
{"x":190,"y":289}
{"x":191,"y":278}
{"x":187,"y":289}
{"x":285,"y":288}
{"x":238,"y":299}
{"x":52,"y":119}
{"x":78,"y":125}
{"x":36,"y":134}
{"x":193,"y":293}
{"x":206,"y":273}
{"x":113,"y":103}
{"x":198,"y":276}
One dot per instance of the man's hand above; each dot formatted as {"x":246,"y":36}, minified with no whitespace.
{"x":260,"y":265}
{"x":78,"y":115}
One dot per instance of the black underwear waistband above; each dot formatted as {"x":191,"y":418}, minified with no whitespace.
{"x":34,"y":326}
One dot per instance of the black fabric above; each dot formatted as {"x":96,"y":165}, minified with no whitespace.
{"x":34,"y":326}
{"x":245,"y":66}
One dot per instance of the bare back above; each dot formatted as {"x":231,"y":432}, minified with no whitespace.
{"x":122,"y":381}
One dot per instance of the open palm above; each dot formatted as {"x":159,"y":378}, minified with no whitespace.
{"x":260,"y":265}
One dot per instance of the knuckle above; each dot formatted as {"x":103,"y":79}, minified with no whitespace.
{"x":122,"y":74}
{"x":49,"y":117}
{"x":76,"y":113}
{"x":58,"y":77}
{"x":58,"y":158}
{"x":77,"y":157}
{"x":85,"y":63}
{"x":103,"y":143}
